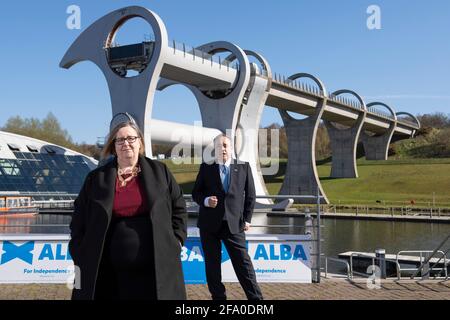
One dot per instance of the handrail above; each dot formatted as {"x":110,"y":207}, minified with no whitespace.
{"x":358,"y":254}
{"x":434,"y":252}
{"x":349,"y":275}
{"x":54,"y":204}
{"x":424,"y":263}
{"x":53,"y":201}
{"x":201,"y":55}
{"x":274,"y":196}
{"x":34,"y":225}
{"x":312,"y":90}
{"x":283,"y":226}
{"x":439,"y":260}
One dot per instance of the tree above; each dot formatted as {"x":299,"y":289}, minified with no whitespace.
{"x":48,"y":129}
{"x":265,"y":146}
{"x":437,"y":120}
{"x":432,"y":140}
{"x":323,"y":149}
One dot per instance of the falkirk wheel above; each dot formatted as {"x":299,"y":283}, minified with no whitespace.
{"x":231,"y":95}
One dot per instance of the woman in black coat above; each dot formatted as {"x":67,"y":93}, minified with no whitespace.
{"x":128,"y":247}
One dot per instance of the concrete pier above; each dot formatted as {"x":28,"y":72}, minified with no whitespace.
{"x":301,"y":176}
{"x":344,"y":142}
{"x":376,"y":146}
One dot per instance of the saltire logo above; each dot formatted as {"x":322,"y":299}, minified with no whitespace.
{"x":22,"y":252}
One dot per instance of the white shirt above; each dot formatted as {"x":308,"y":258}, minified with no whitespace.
{"x":227,"y":164}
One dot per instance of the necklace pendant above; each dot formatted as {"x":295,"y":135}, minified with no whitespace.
{"x":130,"y":173}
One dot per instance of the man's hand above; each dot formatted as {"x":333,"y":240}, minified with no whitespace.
{"x":212,"y":201}
{"x":247,"y":226}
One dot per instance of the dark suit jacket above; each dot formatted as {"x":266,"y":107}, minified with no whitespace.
{"x":92,"y":215}
{"x":237,"y":204}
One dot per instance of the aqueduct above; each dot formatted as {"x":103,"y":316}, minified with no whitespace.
{"x":233,"y":98}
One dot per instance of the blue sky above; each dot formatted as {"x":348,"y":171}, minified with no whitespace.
{"x":405,"y":64}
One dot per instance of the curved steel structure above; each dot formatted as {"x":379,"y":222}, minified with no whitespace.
{"x":409,"y":115}
{"x":138,"y":98}
{"x":233,"y":100}
{"x":264,"y":64}
{"x":372,"y":104}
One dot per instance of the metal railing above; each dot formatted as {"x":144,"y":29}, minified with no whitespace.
{"x":303,"y":87}
{"x":399,"y":270}
{"x":44,"y":194}
{"x":316,"y":227}
{"x":197,"y":54}
{"x":390,"y":210}
{"x":349,"y":275}
{"x":408,"y":122}
{"x":432,"y":254}
{"x":362,"y":255}
{"x":297,"y":85}
{"x":424,"y":263}
{"x":380,"y":113}
{"x":54,"y":204}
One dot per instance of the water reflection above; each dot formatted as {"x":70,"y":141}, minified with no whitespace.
{"x":37,"y":224}
{"x":366,"y":236}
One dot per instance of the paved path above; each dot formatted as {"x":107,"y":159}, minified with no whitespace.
{"x":328,"y":289}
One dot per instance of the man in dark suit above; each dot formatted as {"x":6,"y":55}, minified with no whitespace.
{"x":225,"y":193}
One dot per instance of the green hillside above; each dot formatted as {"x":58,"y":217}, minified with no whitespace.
{"x":393,"y":182}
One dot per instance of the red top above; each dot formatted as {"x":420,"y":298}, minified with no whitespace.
{"x":130,"y":200}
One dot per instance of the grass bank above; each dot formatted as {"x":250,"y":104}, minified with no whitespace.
{"x":394,"y":182}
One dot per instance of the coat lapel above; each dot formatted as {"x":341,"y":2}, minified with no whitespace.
{"x":233,"y":172}
{"x":106,"y":183}
{"x":151,"y":184}
{"x":216,"y":174}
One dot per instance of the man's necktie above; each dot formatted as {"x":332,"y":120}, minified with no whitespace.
{"x":225,"y":178}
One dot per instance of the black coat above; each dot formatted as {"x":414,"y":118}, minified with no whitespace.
{"x":237,"y":204}
{"x":92,"y":215}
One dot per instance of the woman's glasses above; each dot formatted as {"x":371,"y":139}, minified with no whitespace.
{"x":129,"y":139}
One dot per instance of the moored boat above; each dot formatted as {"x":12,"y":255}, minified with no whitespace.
{"x":17,"y":206}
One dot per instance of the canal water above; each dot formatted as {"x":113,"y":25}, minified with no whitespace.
{"x":339,"y":235}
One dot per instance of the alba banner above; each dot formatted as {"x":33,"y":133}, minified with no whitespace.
{"x":46,"y":259}
{"x":275,"y":258}
{"x":35,"y":259}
